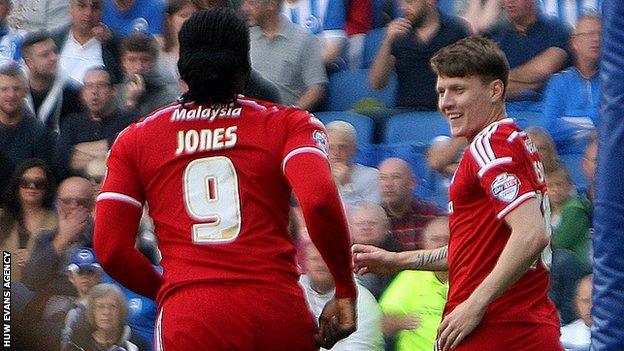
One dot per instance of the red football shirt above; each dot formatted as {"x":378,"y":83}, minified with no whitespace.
{"x":500,"y":170}
{"x":215,"y":188}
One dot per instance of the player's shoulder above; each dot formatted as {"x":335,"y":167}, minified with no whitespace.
{"x":281,"y":115}
{"x":495,"y":142}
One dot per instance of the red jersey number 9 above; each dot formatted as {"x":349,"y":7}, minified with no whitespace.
{"x":210,"y":188}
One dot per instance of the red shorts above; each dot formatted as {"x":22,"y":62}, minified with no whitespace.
{"x":236,"y":318}
{"x":512,"y":337}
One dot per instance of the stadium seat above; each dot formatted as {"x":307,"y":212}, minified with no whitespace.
{"x":420,"y":127}
{"x":525,"y":119}
{"x":372,"y":43}
{"x":363,"y":125}
{"x":346,"y":88}
{"x":574,"y":163}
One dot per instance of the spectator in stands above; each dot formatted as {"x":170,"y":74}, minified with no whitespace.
{"x":84,"y":272}
{"x":45,"y":272}
{"x":125,"y":17}
{"x":545,"y":146}
{"x":52,"y":96}
{"x":22,"y":136}
{"x":89,"y":135}
{"x":95,"y":171}
{"x":29,"y":15}
{"x":107,"y":314}
{"x":319,"y":288}
{"x":408,"y":214}
{"x":326,"y":19}
{"x":26,"y":212}
{"x":412,"y":305}
{"x":257,"y":87}
{"x":369,"y":225}
{"x":576,"y":336}
{"x":572,"y":241}
{"x":409,"y":43}
{"x":355,"y":182}
{"x":285,"y":54}
{"x":359,"y":22}
{"x":571,"y":97}
{"x":176,"y":13}
{"x":10,"y":40}
{"x":536,"y":47}
{"x":82,"y":43}
{"x":144,"y":88}
{"x":560,"y":189}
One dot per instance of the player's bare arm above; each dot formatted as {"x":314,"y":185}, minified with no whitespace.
{"x":371,"y":259}
{"x":528,"y":239}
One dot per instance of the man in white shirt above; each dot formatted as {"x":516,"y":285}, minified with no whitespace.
{"x":576,"y":336}
{"x":318,"y":287}
{"x":86,"y":42}
{"x":355,"y":182}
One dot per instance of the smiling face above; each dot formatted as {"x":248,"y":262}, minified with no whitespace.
{"x":468,"y":103}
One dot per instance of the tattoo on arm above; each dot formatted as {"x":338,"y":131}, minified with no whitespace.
{"x":430,"y":257}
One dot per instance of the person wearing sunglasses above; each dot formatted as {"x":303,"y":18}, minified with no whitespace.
{"x":45,"y":273}
{"x":27,"y":211}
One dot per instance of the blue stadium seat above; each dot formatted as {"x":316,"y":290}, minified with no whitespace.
{"x":372,"y":43}
{"x":420,"y":127}
{"x":364,"y":126}
{"x":525,"y":119}
{"x":574,"y":163}
{"x":348,"y":87}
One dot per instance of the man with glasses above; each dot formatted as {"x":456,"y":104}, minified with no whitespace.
{"x":572,"y":96}
{"x":87,"y":136}
{"x":21,"y":135}
{"x":46,"y":270}
{"x":45,"y":273}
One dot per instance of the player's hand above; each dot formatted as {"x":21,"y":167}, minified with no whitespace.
{"x":458,"y":324}
{"x":337,"y":321}
{"x":398,"y":28}
{"x":371,"y":259}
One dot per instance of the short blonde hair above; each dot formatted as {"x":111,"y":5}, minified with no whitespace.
{"x":342,"y":127}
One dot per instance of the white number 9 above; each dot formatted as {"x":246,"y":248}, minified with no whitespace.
{"x":211,"y":197}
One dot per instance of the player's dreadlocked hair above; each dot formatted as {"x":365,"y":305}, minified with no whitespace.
{"x":214,"y":55}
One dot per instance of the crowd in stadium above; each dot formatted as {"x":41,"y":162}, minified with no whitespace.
{"x":75,"y":73}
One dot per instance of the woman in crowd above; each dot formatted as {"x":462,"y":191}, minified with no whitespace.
{"x":107,"y":314}
{"x":27,"y":211}
{"x":177,"y":12}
